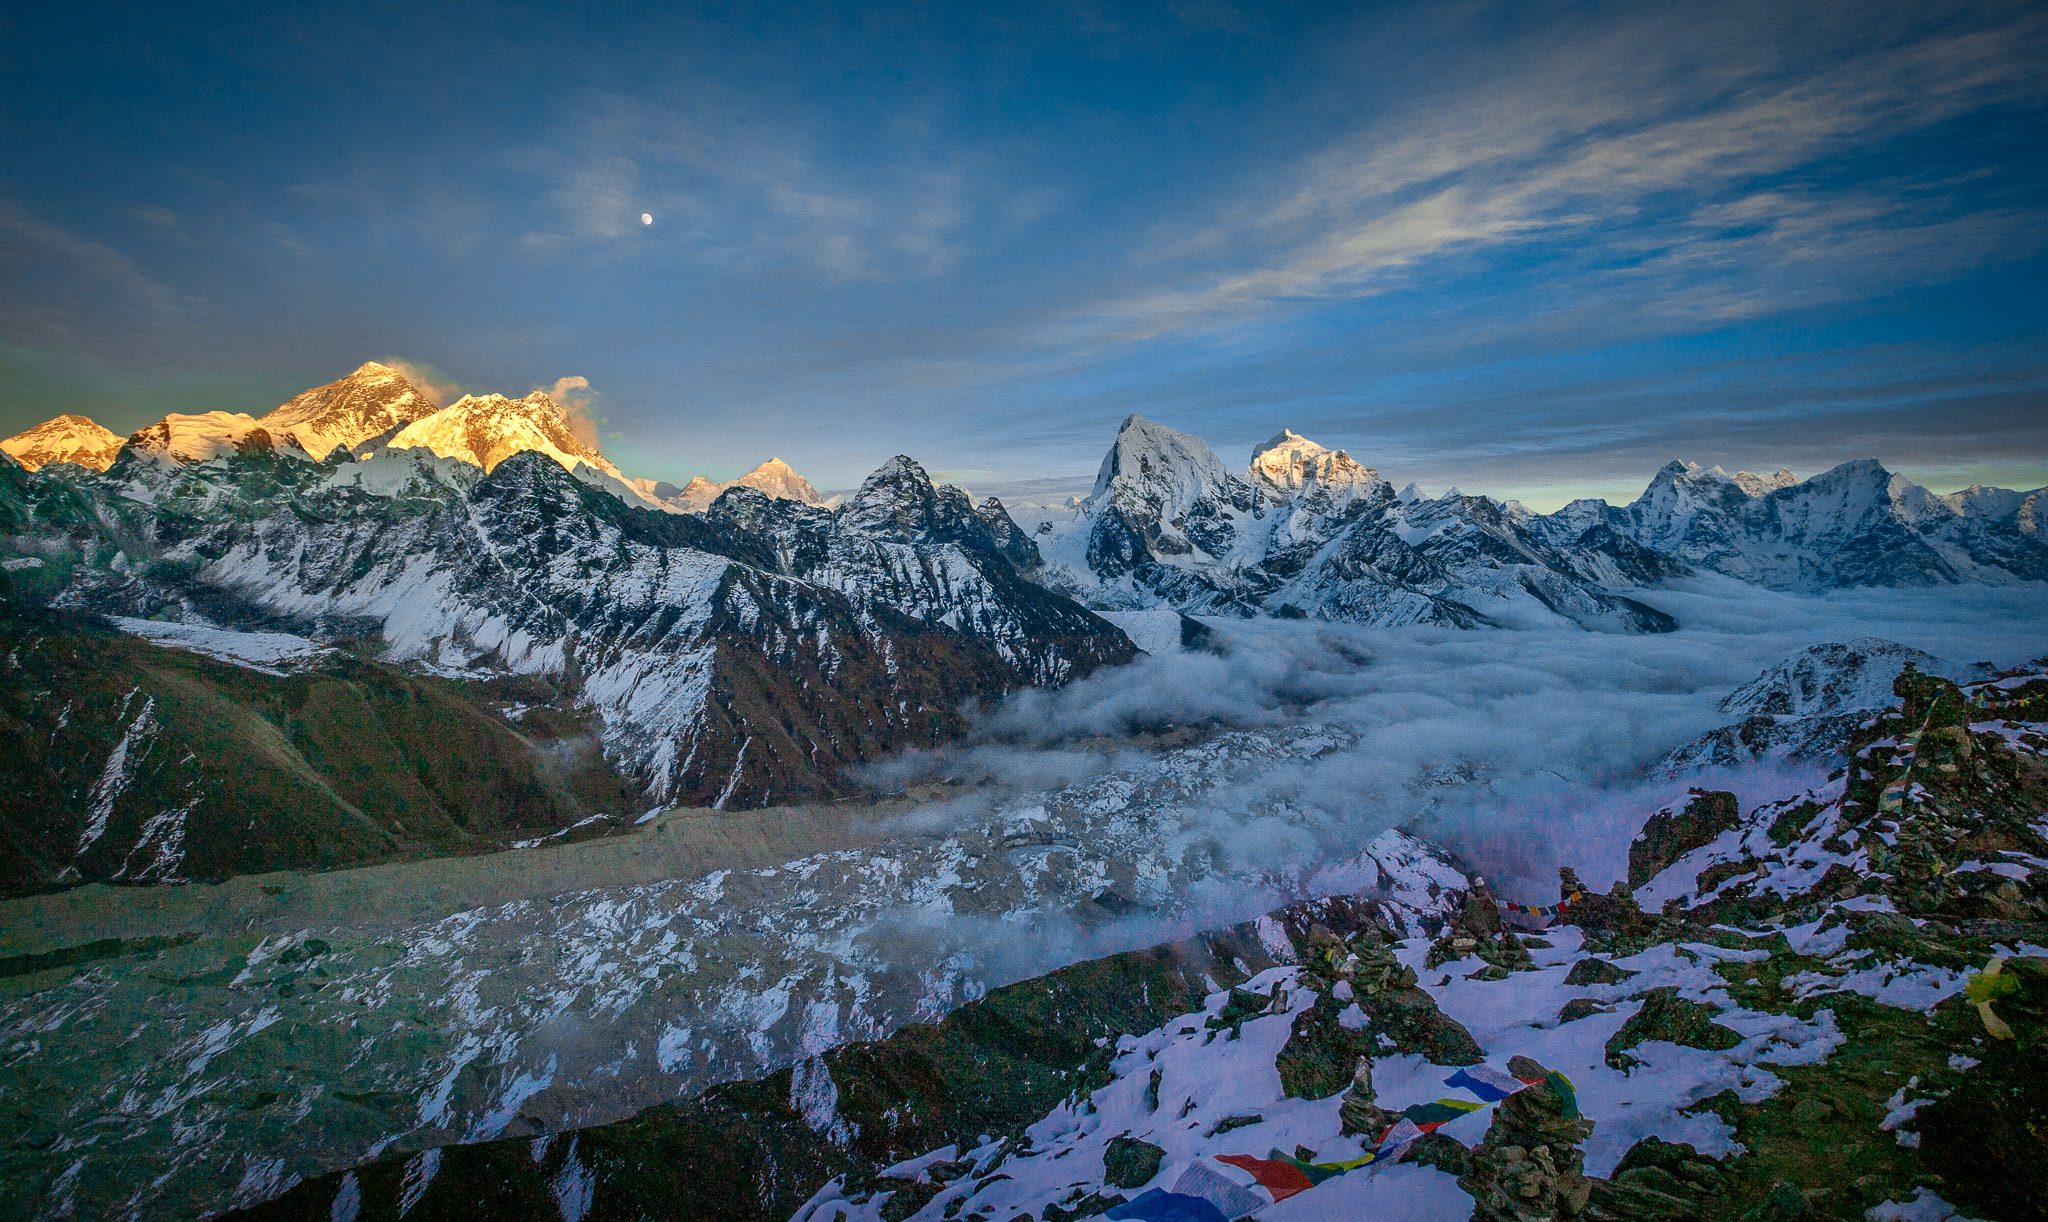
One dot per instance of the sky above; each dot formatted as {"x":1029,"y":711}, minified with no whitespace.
{"x":1536,"y":250}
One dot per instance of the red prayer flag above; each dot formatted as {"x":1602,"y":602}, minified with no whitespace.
{"x":1283,"y":1180}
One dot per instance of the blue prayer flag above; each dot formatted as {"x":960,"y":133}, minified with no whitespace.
{"x":1159,"y":1205}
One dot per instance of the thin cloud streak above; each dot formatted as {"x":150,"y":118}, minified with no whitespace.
{"x":1550,"y":152}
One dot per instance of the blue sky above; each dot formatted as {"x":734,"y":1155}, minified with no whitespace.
{"x":1536,"y":250}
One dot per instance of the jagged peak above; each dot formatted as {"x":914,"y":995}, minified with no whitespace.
{"x":895,"y":472}
{"x":348,"y":411}
{"x":891,"y":497}
{"x":1289,"y":463}
{"x":1176,"y":467}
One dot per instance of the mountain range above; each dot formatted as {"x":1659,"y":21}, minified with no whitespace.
{"x":1307,"y":531}
{"x":760,"y":646}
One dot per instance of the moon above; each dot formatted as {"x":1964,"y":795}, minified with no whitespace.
{"x":647,"y":218}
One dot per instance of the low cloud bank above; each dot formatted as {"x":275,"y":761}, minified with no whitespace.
{"x":1521,"y":750}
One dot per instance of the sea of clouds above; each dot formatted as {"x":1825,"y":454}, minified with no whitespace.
{"x":1521,"y":750}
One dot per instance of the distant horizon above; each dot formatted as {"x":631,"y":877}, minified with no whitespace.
{"x":1472,"y":245}
{"x":1054,"y":491}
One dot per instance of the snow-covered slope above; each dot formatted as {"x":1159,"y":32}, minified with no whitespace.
{"x":200,"y":437}
{"x":1835,"y":677}
{"x":1847,"y":980}
{"x":73,"y":439}
{"x":372,"y":400}
{"x":1809,"y":705}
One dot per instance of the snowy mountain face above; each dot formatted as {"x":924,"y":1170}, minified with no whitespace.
{"x":372,"y":400}
{"x":1809,"y":705}
{"x":1309,"y":531}
{"x":735,"y":658}
{"x":73,"y":439}
{"x":1855,"y":525}
{"x":1835,"y":678}
{"x":485,"y":430}
{"x":182,"y":438}
{"x":1312,"y":532}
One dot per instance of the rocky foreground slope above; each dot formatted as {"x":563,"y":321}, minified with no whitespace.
{"x":1830,"y":1006}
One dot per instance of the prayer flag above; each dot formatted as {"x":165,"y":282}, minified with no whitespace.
{"x":1231,"y":1199}
{"x":1428,"y":1116}
{"x":1282,"y":1179}
{"x":1489,"y":1084}
{"x":1158,"y":1205}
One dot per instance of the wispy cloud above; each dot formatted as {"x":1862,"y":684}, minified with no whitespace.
{"x":53,"y":273}
{"x":436,"y":387}
{"x":574,"y":396}
{"x":1662,"y":162}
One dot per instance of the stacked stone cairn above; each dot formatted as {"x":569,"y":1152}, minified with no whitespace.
{"x":1477,"y":930}
{"x":1530,"y":1167}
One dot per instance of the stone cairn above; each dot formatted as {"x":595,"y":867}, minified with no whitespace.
{"x":1530,"y":1167}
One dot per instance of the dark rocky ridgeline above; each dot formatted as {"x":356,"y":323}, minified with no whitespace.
{"x":128,"y":763}
{"x":739,"y":658}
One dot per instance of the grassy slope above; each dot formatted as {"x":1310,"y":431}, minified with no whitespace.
{"x":348,"y":763}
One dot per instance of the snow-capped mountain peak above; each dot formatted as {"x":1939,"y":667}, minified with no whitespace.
{"x":1166,"y":469}
{"x":488,"y":429}
{"x":1835,"y":678}
{"x":1758,"y":485}
{"x":1290,"y":464}
{"x":775,"y":478}
{"x":73,"y":439}
{"x":892,"y":501}
{"x":372,"y":400}
{"x":1855,"y":524}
